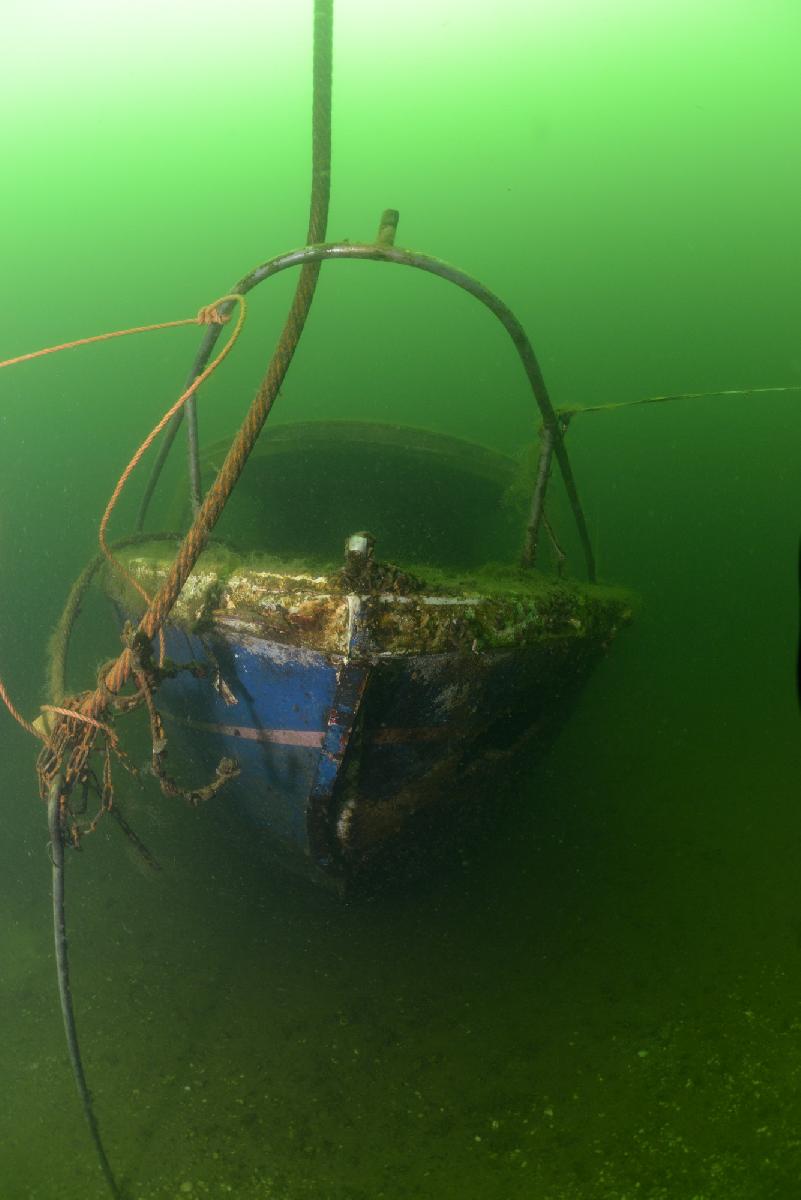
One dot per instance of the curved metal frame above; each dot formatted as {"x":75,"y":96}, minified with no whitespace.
{"x":384,"y":251}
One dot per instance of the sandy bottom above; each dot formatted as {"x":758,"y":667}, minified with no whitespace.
{"x":602,"y":1003}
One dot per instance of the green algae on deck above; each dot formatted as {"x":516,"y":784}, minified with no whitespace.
{"x":308,"y":605}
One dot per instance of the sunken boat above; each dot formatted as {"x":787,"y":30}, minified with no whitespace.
{"x":377,"y":652}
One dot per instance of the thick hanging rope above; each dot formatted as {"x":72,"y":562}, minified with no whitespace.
{"x":156,"y":430}
{"x":162,"y":603}
{"x":209,"y":314}
{"x":81,"y":719}
{"x":64,"y":761}
{"x":58,"y":646}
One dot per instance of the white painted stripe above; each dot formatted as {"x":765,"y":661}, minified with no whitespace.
{"x":310,"y":737}
{"x":282,"y":737}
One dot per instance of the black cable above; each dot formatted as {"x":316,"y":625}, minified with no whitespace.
{"x":56,"y":827}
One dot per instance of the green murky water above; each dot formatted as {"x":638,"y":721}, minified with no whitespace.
{"x":605,"y":1001}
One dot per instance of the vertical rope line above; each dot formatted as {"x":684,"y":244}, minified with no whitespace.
{"x":290,"y":335}
{"x":321,"y":119}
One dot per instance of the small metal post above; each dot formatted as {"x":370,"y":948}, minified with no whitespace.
{"x":387,"y":227}
{"x":193,"y":454}
{"x":538,"y":499}
{"x":384,"y":251}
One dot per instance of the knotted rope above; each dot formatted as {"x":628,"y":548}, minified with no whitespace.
{"x":209,"y":314}
{"x":83,"y":718}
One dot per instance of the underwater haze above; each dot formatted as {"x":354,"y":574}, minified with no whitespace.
{"x":603,"y":1001}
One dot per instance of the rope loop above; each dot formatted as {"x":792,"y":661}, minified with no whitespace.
{"x":90,"y":706}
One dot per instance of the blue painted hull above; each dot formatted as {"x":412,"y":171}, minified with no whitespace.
{"x":362,"y":704}
{"x":340,"y":754}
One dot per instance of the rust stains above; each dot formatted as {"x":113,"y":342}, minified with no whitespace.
{"x":311,"y":611}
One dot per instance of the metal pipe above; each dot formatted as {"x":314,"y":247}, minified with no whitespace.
{"x":193,"y":453}
{"x":538,"y":496}
{"x":204,"y":353}
{"x":388,"y":227}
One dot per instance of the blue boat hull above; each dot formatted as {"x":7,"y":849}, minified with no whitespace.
{"x":338,"y":755}
{"x":358,"y":719}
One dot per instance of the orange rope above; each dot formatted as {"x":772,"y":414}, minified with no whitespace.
{"x":4,"y":696}
{"x":208,"y":315}
{"x":73,"y":714}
